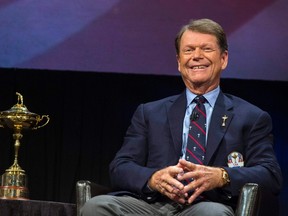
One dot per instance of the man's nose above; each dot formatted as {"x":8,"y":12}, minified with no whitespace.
{"x":198,"y":53}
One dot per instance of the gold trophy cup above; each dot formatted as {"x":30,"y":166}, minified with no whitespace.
{"x":14,"y":180}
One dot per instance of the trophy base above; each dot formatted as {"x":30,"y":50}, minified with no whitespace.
{"x":13,"y":186}
{"x":13,"y":192}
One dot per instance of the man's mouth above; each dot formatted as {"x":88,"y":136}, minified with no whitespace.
{"x":199,"y":67}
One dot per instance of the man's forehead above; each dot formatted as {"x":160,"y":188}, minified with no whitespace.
{"x":198,"y":37}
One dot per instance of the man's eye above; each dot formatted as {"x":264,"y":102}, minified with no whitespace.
{"x":188,"y":50}
{"x":207,"y":49}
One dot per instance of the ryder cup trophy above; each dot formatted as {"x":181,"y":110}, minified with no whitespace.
{"x":14,"y":180}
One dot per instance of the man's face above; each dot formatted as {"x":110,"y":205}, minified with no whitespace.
{"x":200,"y":61}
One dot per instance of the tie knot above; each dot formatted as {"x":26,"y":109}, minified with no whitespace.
{"x":200,"y":99}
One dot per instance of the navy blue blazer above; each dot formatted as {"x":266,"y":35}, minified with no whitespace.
{"x":154,"y":141}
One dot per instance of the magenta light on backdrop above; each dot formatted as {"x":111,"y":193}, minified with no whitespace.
{"x":137,"y":36}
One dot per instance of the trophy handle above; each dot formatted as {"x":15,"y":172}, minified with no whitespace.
{"x":40,"y":119}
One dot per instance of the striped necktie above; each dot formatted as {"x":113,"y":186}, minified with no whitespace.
{"x":195,"y":151}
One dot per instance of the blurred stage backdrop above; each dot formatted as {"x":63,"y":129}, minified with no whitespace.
{"x":131,"y":36}
{"x":88,"y":64}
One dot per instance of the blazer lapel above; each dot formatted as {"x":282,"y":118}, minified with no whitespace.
{"x":176,"y":112}
{"x":220,"y":120}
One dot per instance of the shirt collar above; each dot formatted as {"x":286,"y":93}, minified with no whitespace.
{"x":210,"y":96}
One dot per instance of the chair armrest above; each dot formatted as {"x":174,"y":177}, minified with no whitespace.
{"x":248,"y":200}
{"x":85,"y":190}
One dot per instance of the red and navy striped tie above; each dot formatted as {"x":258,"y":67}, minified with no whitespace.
{"x":195,"y":151}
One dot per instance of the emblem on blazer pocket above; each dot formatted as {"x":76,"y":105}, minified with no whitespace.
{"x":235,"y":159}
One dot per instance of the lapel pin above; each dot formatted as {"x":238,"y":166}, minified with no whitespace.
{"x":224,"y":118}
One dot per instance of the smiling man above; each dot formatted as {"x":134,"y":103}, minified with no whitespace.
{"x":190,"y":154}
{"x":201,"y":59}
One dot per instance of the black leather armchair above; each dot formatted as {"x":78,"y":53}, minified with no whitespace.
{"x":248,"y":203}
